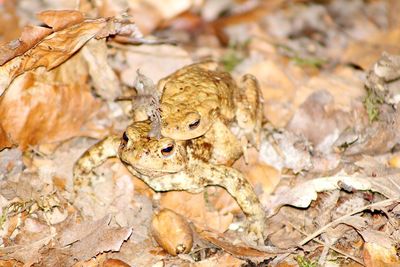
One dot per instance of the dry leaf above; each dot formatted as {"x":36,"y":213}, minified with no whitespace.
{"x":240,"y":251}
{"x":48,"y":106}
{"x":318,"y":121}
{"x":301,"y":195}
{"x":261,"y":175}
{"x":277,"y":89}
{"x":364,"y":53}
{"x":377,"y":256}
{"x":167,"y":58}
{"x":10,"y":21}
{"x":377,"y":238}
{"x":91,"y":238}
{"x":105,"y":81}
{"x":59,"y":46}
{"x":30,"y":36}
{"x":5,"y":141}
{"x":60,"y":19}
{"x":194,"y":207}
{"x":220,"y":260}
{"x":51,"y":51}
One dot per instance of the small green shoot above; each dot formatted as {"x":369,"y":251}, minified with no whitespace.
{"x":234,"y":55}
{"x":301,"y":60}
{"x":303,"y":262}
{"x":372,"y":102}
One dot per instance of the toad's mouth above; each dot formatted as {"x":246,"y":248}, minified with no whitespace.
{"x":150,"y":172}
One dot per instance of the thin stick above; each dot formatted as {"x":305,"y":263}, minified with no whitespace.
{"x":339,"y":220}
{"x":330,"y":247}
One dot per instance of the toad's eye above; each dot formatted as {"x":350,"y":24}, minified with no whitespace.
{"x":167,"y":150}
{"x":193,"y":125}
{"x":125,"y":137}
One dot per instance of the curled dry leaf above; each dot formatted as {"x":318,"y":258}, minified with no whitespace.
{"x":60,"y":19}
{"x":240,"y":251}
{"x":59,"y":46}
{"x":172,"y":232}
{"x":301,"y":195}
{"x":148,"y":98}
{"x":50,"y":52}
{"x":29,"y":37}
{"x":43,"y":107}
{"x":106,"y":83}
{"x":47,"y":106}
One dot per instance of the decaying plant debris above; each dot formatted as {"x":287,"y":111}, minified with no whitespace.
{"x":327,"y":172}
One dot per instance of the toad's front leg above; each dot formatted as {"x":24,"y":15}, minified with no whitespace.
{"x":93,"y":157}
{"x":241,"y":190}
{"x":249,"y":110}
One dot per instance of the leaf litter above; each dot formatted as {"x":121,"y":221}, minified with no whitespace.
{"x":327,"y":171}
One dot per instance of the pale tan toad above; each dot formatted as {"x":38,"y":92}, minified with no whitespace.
{"x":166,"y":164}
{"x":198,"y":95}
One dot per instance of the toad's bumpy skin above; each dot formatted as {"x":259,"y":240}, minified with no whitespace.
{"x":165,"y":165}
{"x":93,"y":157}
{"x":196,"y":96}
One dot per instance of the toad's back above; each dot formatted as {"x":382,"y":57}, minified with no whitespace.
{"x":196,"y":96}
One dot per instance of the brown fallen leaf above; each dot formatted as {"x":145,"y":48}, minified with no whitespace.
{"x":5,"y":141}
{"x":302,"y":194}
{"x":378,"y":238}
{"x":80,"y":242}
{"x":10,"y":21}
{"x":240,"y":251}
{"x":44,"y":107}
{"x":59,"y":46}
{"x":194,"y":207}
{"x":51,"y":51}
{"x":318,"y":121}
{"x":364,"y":53}
{"x":29,"y":37}
{"x":49,"y":106}
{"x":60,"y":19}
{"x":105,"y":83}
{"x":258,"y":173}
{"x":378,"y":256}
{"x":27,"y":253}
{"x":221,"y":259}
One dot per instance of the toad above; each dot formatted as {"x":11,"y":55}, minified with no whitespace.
{"x":198,"y":95}
{"x":166,"y":164}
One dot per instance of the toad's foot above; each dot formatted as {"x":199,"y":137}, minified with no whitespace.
{"x":93,"y":157}
{"x":241,"y":190}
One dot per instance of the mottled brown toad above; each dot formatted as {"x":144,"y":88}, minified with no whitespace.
{"x":166,"y":164}
{"x":198,"y":95}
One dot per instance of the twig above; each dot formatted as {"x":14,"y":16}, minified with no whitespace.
{"x":330,"y":247}
{"x":339,"y":220}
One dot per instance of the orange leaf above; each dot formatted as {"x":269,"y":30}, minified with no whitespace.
{"x":30,"y":36}
{"x":60,"y":19}
{"x":43,"y":107}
